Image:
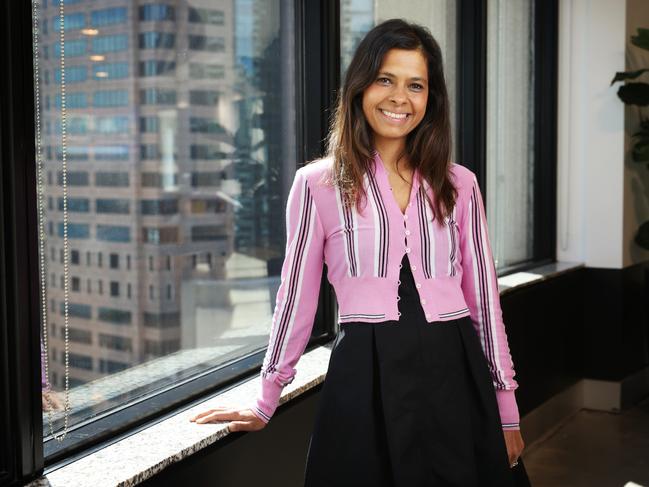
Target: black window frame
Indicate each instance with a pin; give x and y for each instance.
(24, 455)
(317, 44)
(472, 114)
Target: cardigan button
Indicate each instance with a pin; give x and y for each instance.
(423, 301)
(414, 268)
(407, 232)
(418, 285)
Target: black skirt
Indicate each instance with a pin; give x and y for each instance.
(408, 403)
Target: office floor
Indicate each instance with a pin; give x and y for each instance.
(594, 449)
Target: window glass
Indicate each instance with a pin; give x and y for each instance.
(180, 130)
(510, 129)
(357, 17)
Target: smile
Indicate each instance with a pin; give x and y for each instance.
(394, 117)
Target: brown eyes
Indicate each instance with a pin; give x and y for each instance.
(415, 86)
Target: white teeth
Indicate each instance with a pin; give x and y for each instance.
(397, 116)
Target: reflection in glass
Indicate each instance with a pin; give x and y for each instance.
(510, 130)
(181, 149)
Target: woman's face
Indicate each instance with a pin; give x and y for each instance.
(395, 102)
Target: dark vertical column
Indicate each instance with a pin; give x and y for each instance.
(21, 439)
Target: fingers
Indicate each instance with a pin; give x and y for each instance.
(219, 413)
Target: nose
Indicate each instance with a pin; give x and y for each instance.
(398, 94)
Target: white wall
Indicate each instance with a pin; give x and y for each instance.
(590, 191)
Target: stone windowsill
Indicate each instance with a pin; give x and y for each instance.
(150, 450)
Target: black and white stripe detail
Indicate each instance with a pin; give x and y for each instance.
(362, 315)
(483, 288)
(382, 241)
(426, 234)
(453, 313)
(349, 222)
(451, 229)
(262, 414)
(298, 251)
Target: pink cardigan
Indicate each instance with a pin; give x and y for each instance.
(452, 264)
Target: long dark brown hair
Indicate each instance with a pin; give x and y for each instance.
(351, 139)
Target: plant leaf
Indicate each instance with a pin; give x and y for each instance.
(642, 39)
(634, 94)
(642, 237)
(624, 75)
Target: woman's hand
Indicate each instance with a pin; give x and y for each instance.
(240, 419)
(515, 445)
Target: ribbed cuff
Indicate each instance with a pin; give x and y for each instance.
(509, 416)
(267, 399)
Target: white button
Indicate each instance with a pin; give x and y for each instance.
(418, 285)
(398, 313)
(407, 232)
(407, 250)
(405, 217)
(398, 298)
(400, 266)
(423, 301)
(414, 268)
(398, 282)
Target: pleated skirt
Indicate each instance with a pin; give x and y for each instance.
(408, 403)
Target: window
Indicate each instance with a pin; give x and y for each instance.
(70, 22)
(73, 74)
(159, 207)
(174, 126)
(510, 160)
(112, 125)
(205, 125)
(109, 16)
(77, 310)
(80, 336)
(112, 179)
(156, 68)
(73, 48)
(206, 43)
(113, 342)
(116, 206)
(163, 235)
(78, 205)
(114, 289)
(203, 97)
(110, 98)
(206, 151)
(110, 43)
(79, 361)
(149, 125)
(157, 40)
(113, 233)
(110, 71)
(74, 257)
(157, 96)
(72, 100)
(206, 71)
(209, 233)
(75, 230)
(206, 16)
(201, 179)
(156, 12)
(115, 316)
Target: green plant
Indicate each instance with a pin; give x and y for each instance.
(637, 93)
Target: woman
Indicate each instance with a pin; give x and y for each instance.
(420, 385)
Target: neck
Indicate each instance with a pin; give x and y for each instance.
(389, 150)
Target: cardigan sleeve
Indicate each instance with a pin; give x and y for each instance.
(480, 288)
(297, 296)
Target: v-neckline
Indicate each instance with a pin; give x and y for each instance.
(414, 187)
